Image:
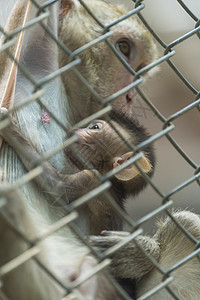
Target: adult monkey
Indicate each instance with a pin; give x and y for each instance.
(40, 64)
(103, 70)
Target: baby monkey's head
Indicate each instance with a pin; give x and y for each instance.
(110, 144)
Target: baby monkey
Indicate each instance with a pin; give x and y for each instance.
(102, 147)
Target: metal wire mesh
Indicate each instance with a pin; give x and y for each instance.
(37, 90)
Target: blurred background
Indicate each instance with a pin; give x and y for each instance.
(169, 94)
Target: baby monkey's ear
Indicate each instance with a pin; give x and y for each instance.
(131, 171)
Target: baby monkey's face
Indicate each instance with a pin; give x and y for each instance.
(103, 145)
(98, 144)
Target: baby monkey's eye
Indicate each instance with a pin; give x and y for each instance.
(124, 47)
(95, 126)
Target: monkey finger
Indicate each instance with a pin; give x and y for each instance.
(115, 233)
(102, 243)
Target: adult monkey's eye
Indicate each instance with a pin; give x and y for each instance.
(95, 126)
(124, 47)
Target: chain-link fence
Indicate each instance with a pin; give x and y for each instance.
(43, 119)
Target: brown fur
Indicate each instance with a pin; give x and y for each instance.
(99, 66)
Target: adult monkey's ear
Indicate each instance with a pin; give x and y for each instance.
(131, 171)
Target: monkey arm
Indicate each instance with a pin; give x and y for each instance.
(69, 187)
(130, 262)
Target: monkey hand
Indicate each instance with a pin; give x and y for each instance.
(93, 178)
(130, 261)
(80, 183)
(108, 239)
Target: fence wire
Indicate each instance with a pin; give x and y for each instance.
(37, 89)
